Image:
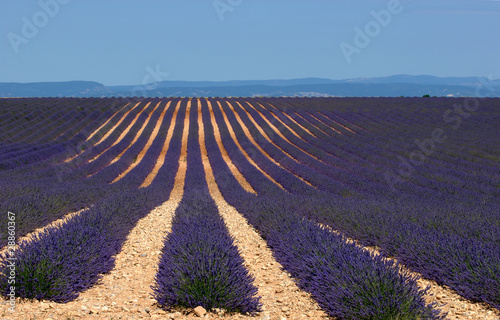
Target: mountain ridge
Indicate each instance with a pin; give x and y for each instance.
(390, 86)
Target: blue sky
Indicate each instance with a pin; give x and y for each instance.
(116, 42)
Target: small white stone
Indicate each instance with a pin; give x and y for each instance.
(266, 316)
(200, 311)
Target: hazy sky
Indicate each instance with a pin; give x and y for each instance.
(131, 42)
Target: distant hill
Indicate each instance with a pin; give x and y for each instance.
(54, 89)
(392, 86)
(318, 90)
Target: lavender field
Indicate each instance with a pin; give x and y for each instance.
(323, 181)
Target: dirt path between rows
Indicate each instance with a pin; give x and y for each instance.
(107, 134)
(258, 147)
(110, 118)
(124, 132)
(281, 122)
(97, 130)
(139, 133)
(236, 173)
(235, 139)
(125, 292)
(274, 128)
(347, 122)
(163, 153)
(322, 122)
(143, 152)
(280, 296)
(293, 120)
(336, 122)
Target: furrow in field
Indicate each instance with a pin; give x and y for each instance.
(343, 146)
(337, 123)
(313, 120)
(124, 133)
(315, 126)
(68, 131)
(346, 149)
(329, 126)
(374, 125)
(71, 158)
(94, 132)
(111, 131)
(300, 147)
(325, 166)
(315, 141)
(153, 136)
(110, 118)
(235, 139)
(249, 135)
(252, 140)
(279, 294)
(236, 173)
(292, 115)
(161, 158)
(139, 133)
(304, 108)
(313, 170)
(284, 124)
(293, 120)
(185, 134)
(104, 137)
(349, 122)
(274, 128)
(40, 128)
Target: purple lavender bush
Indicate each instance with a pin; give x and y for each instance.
(200, 265)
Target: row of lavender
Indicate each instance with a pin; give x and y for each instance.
(396, 130)
(63, 125)
(200, 265)
(347, 281)
(482, 191)
(449, 235)
(63, 260)
(414, 193)
(67, 259)
(40, 196)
